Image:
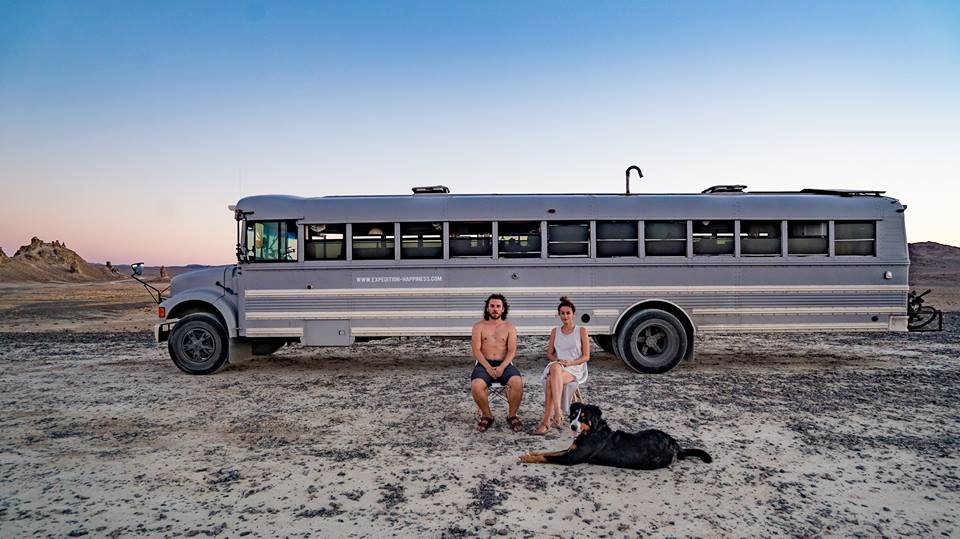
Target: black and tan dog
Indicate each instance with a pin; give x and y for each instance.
(597, 444)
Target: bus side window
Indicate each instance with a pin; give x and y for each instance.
(759, 238)
(616, 238)
(519, 239)
(855, 238)
(421, 240)
(373, 241)
(325, 242)
(807, 238)
(713, 238)
(665, 238)
(568, 238)
(471, 240)
(288, 241)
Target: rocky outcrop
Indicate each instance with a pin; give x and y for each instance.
(3, 257)
(932, 262)
(164, 275)
(112, 269)
(42, 261)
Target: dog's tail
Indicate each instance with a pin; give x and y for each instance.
(699, 453)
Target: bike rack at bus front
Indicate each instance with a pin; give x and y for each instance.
(921, 317)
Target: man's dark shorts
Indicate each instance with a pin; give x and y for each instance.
(481, 373)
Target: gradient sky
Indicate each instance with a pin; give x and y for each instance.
(126, 128)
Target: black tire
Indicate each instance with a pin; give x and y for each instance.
(199, 344)
(924, 315)
(605, 342)
(265, 347)
(651, 341)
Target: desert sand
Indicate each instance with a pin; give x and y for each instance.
(818, 434)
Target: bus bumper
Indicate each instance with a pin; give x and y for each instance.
(161, 332)
(898, 323)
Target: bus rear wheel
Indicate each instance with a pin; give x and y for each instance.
(651, 341)
(605, 342)
(198, 344)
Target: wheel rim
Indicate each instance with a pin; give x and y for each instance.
(654, 343)
(199, 346)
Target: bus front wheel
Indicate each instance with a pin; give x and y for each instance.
(651, 341)
(198, 344)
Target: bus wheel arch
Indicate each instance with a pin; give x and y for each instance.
(182, 310)
(670, 320)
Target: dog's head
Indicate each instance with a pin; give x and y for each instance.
(585, 418)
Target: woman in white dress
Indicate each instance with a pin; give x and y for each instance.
(568, 352)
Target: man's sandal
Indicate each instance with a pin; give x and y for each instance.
(484, 423)
(541, 429)
(515, 423)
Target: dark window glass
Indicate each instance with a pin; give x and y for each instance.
(421, 240)
(519, 239)
(713, 238)
(568, 239)
(616, 238)
(373, 241)
(471, 239)
(855, 238)
(325, 242)
(759, 238)
(271, 241)
(665, 238)
(807, 238)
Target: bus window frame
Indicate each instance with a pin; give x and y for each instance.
(298, 248)
(592, 243)
(837, 240)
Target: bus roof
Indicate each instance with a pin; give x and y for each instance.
(807, 204)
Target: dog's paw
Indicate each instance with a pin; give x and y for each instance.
(527, 458)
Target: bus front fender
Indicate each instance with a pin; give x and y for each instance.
(198, 301)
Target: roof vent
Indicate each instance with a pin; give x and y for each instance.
(723, 189)
(844, 192)
(431, 190)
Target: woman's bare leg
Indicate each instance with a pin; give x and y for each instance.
(548, 405)
(558, 378)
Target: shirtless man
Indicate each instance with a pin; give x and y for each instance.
(494, 343)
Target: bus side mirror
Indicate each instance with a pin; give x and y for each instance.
(137, 268)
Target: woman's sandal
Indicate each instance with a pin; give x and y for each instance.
(558, 421)
(541, 429)
(484, 423)
(515, 423)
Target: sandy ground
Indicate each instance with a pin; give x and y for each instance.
(836, 435)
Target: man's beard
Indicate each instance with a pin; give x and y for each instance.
(493, 316)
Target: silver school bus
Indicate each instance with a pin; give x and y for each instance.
(647, 272)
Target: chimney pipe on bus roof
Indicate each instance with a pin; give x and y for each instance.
(627, 174)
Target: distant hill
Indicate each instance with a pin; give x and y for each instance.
(153, 273)
(51, 262)
(934, 263)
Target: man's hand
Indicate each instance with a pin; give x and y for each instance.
(492, 372)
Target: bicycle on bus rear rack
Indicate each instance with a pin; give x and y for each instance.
(922, 317)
